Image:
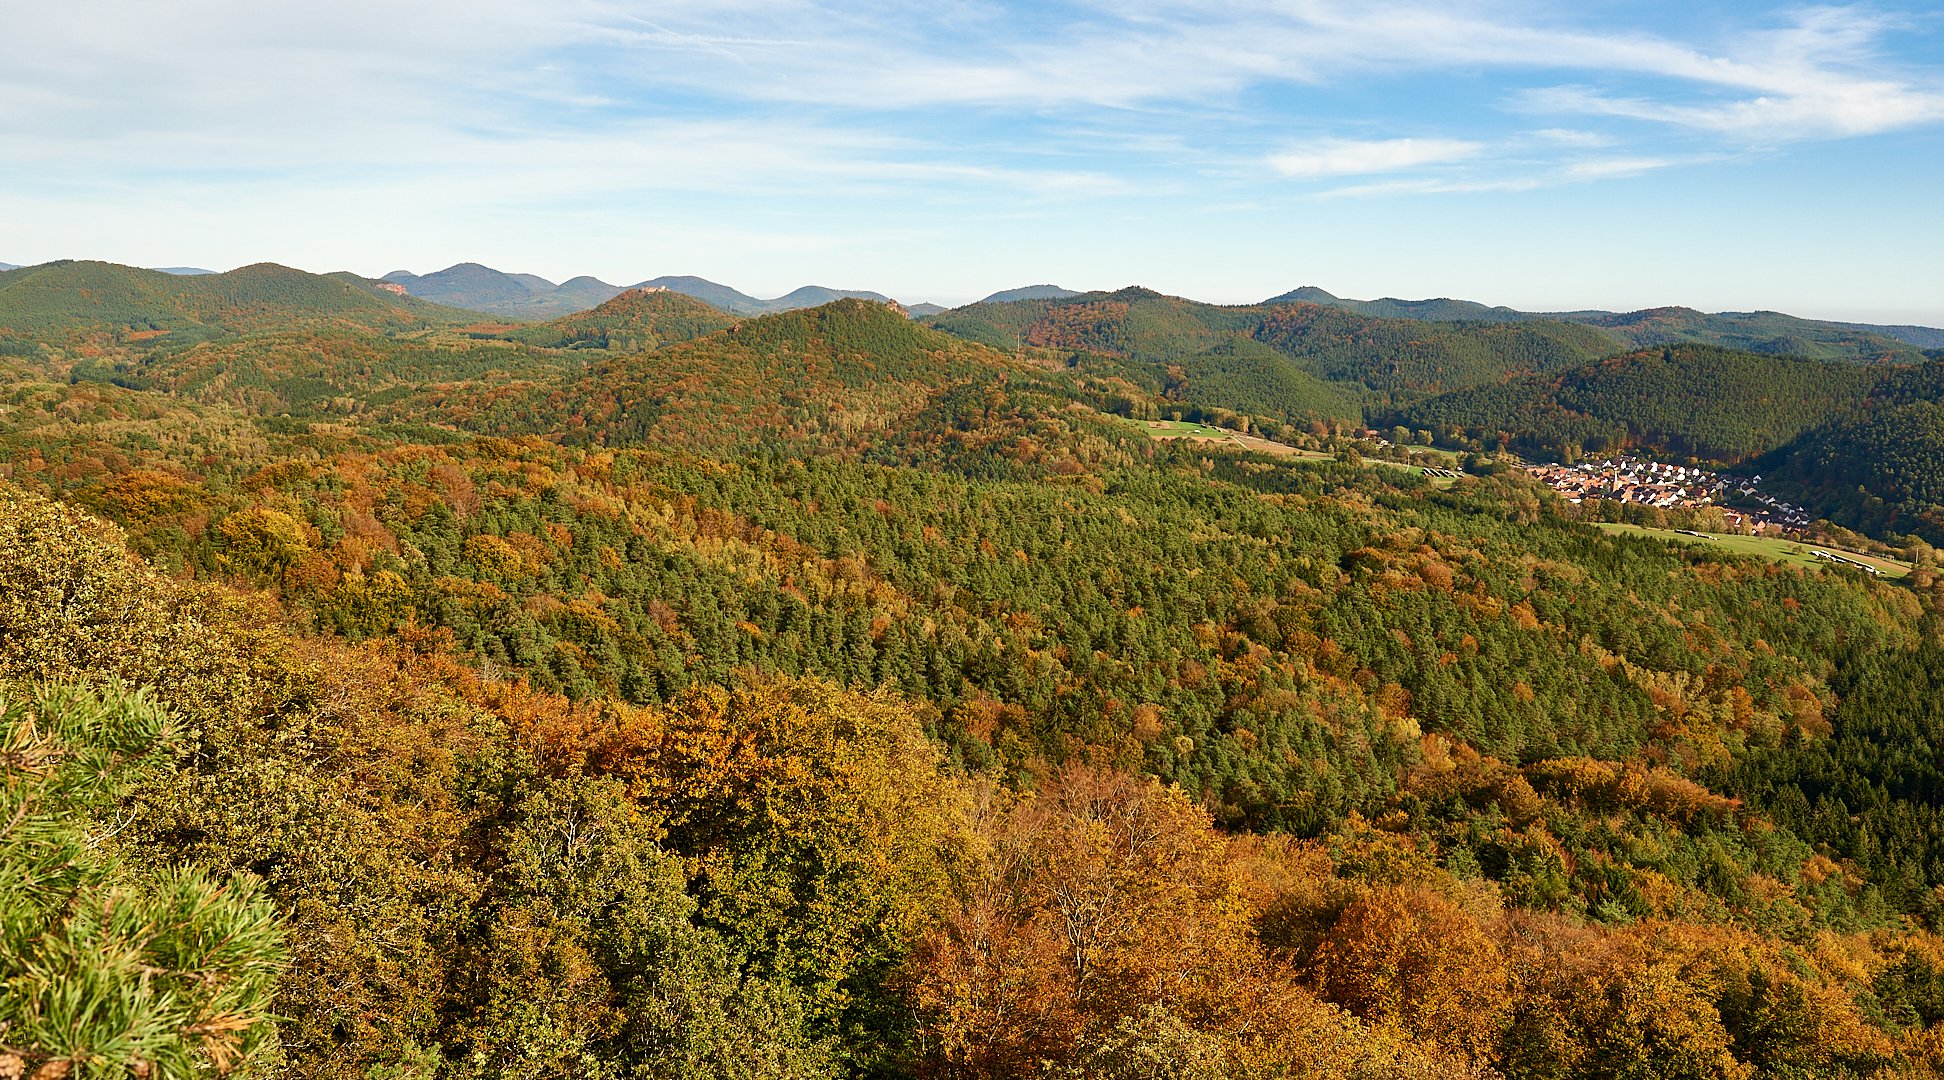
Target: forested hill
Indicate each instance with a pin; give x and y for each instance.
(105, 304)
(830, 377)
(1442, 309)
(1363, 353)
(1709, 403)
(1862, 445)
(637, 320)
(1759, 331)
(1878, 469)
(825, 696)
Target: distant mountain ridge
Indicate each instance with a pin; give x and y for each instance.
(1029, 292)
(1755, 331)
(529, 296)
(637, 320)
(737, 302)
(1924, 337)
(521, 296)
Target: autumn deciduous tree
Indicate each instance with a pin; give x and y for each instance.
(820, 831)
(1100, 893)
(1411, 956)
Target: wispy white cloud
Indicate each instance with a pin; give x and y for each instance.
(1430, 186)
(1530, 177)
(1572, 137)
(1617, 168)
(1837, 110)
(1817, 75)
(363, 82)
(1345, 157)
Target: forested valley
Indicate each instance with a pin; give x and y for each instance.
(388, 691)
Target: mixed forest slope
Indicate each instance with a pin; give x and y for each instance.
(1858, 444)
(637, 320)
(1757, 331)
(1369, 358)
(103, 304)
(1879, 469)
(829, 377)
(829, 696)
(1696, 401)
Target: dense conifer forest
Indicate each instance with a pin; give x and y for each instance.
(655, 692)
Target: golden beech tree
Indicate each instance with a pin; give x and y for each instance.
(1111, 931)
(1411, 956)
(1097, 894)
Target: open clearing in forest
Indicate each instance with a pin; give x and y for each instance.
(1208, 433)
(1775, 548)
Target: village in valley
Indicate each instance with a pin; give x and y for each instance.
(1743, 505)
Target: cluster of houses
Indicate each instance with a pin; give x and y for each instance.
(1659, 484)
(1786, 515)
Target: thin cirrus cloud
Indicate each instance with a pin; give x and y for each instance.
(1813, 74)
(1804, 74)
(363, 82)
(1342, 157)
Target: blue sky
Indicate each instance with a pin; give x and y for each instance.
(1540, 154)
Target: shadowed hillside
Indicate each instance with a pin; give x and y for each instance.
(1691, 400)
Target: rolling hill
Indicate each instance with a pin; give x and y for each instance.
(527, 296)
(520, 296)
(1758, 331)
(1248, 377)
(1895, 453)
(1878, 468)
(740, 303)
(1704, 401)
(1363, 353)
(718, 296)
(1924, 337)
(1439, 310)
(638, 320)
(1029, 292)
(829, 376)
(108, 304)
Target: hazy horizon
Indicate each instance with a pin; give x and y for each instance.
(1890, 318)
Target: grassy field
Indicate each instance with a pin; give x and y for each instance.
(1182, 429)
(1791, 552)
(1451, 457)
(1178, 429)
